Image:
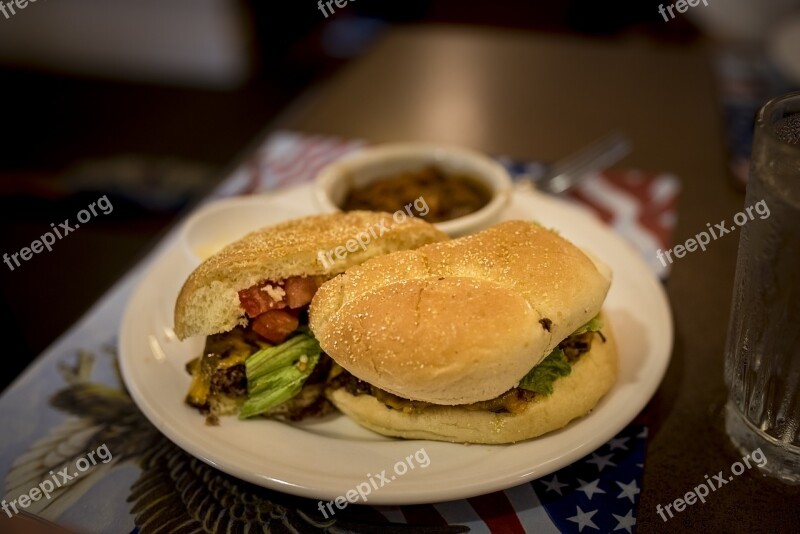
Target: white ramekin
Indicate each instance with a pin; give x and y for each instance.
(221, 222)
(334, 181)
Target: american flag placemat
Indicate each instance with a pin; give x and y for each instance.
(71, 400)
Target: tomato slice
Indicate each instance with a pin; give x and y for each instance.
(300, 290)
(275, 325)
(256, 301)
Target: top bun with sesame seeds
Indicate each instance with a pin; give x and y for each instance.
(461, 321)
(209, 303)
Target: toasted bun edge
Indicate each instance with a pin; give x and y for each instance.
(575, 395)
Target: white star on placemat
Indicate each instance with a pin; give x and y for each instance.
(628, 490)
(601, 461)
(618, 443)
(626, 521)
(554, 485)
(583, 519)
(590, 488)
(600, 491)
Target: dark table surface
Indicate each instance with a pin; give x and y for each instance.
(540, 98)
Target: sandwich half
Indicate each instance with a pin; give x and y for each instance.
(251, 301)
(495, 337)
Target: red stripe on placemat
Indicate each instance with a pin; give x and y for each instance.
(653, 221)
(634, 182)
(253, 174)
(423, 514)
(651, 213)
(301, 147)
(299, 170)
(318, 164)
(604, 214)
(308, 161)
(497, 512)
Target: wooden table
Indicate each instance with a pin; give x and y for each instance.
(541, 97)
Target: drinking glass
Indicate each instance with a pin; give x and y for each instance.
(762, 358)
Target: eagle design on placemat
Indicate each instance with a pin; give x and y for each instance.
(175, 492)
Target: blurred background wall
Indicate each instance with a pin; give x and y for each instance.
(193, 43)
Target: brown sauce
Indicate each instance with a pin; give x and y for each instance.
(448, 196)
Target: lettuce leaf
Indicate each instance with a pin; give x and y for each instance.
(595, 325)
(276, 374)
(540, 379)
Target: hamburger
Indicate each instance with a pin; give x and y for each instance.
(491, 338)
(251, 302)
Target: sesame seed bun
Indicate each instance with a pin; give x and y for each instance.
(573, 396)
(460, 321)
(208, 302)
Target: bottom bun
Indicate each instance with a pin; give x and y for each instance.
(573, 396)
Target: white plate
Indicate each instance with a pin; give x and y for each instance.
(324, 459)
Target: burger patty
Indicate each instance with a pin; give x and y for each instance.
(231, 382)
(220, 371)
(512, 401)
(218, 384)
(575, 346)
(276, 310)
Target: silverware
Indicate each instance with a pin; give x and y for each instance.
(570, 171)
